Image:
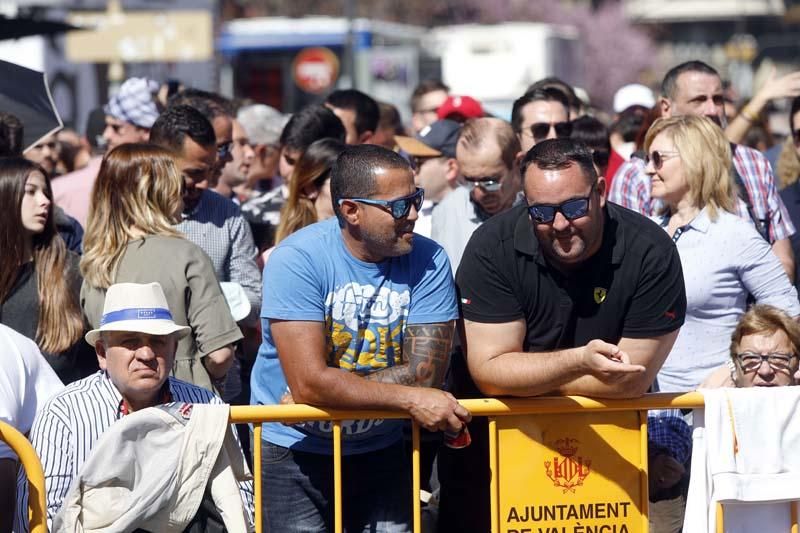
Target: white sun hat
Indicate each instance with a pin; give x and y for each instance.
(136, 307)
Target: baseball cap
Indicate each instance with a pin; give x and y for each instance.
(434, 140)
(633, 94)
(465, 106)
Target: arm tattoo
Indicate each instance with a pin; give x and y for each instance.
(426, 355)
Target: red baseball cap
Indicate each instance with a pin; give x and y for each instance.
(465, 106)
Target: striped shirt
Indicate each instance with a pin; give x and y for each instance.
(217, 226)
(70, 423)
(631, 188)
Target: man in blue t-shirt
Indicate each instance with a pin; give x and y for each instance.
(358, 313)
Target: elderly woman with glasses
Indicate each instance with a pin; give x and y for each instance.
(725, 260)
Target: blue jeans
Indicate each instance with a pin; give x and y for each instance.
(297, 491)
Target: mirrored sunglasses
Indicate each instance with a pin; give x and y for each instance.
(571, 209)
(399, 207)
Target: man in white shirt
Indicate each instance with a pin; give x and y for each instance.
(26, 382)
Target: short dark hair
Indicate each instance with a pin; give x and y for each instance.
(670, 81)
(425, 87)
(594, 134)
(536, 95)
(353, 173)
(11, 135)
(558, 154)
(178, 122)
(363, 105)
(390, 118)
(211, 105)
(630, 122)
(311, 124)
(552, 82)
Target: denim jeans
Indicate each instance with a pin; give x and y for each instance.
(297, 491)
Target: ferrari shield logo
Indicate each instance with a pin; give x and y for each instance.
(600, 294)
(567, 470)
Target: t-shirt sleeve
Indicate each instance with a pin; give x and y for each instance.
(292, 286)
(433, 297)
(659, 303)
(485, 292)
(24, 386)
(207, 311)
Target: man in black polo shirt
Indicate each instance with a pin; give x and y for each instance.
(567, 295)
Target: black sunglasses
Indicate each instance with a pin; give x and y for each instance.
(571, 209)
(399, 207)
(540, 130)
(658, 158)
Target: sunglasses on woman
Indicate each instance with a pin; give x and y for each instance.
(658, 158)
(779, 362)
(541, 130)
(571, 209)
(399, 207)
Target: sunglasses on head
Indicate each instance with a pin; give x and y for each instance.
(571, 209)
(658, 158)
(223, 150)
(540, 130)
(399, 207)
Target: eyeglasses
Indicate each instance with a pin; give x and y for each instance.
(658, 158)
(571, 209)
(488, 184)
(540, 130)
(780, 362)
(399, 207)
(224, 150)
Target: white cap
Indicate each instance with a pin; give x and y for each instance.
(633, 94)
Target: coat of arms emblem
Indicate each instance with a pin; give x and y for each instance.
(569, 469)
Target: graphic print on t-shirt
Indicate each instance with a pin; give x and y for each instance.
(365, 326)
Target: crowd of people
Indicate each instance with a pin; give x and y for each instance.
(192, 249)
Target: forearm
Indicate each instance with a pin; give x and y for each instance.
(427, 348)
(527, 374)
(743, 121)
(335, 389)
(783, 250)
(219, 361)
(633, 386)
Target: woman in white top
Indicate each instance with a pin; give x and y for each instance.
(724, 258)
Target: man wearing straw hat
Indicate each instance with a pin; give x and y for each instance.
(135, 347)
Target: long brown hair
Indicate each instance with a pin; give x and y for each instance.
(60, 322)
(311, 170)
(138, 190)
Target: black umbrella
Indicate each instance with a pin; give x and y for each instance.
(24, 26)
(24, 93)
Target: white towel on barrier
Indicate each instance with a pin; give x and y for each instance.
(745, 444)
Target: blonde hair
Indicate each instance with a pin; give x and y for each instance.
(138, 190)
(705, 158)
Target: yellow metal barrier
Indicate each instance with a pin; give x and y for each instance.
(489, 407)
(33, 470)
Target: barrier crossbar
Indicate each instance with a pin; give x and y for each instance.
(489, 407)
(33, 470)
